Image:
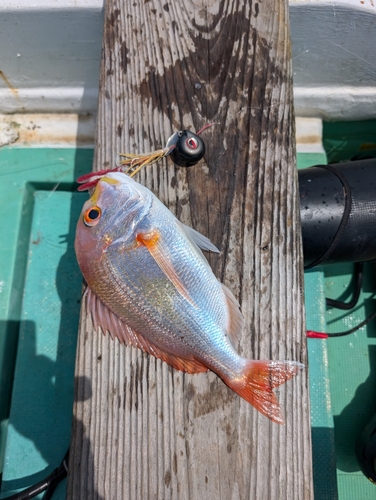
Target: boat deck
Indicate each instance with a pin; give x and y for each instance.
(342, 371)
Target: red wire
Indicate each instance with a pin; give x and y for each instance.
(311, 334)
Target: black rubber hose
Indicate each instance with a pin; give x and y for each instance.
(48, 484)
(357, 327)
(346, 306)
(338, 212)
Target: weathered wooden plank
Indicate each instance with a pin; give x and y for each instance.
(141, 429)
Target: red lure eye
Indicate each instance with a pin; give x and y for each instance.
(92, 216)
(192, 143)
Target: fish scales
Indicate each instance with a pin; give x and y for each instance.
(160, 311)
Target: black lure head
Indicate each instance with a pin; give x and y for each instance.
(189, 149)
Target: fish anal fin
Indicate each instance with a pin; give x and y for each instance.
(160, 253)
(235, 323)
(108, 321)
(258, 381)
(184, 365)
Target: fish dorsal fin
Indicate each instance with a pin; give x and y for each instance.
(197, 242)
(199, 239)
(108, 321)
(235, 323)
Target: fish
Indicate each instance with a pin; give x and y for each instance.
(151, 287)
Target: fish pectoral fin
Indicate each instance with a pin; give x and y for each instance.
(160, 253)
(108, 321)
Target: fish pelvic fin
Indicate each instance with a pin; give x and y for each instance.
(109, 322)
(258, 381)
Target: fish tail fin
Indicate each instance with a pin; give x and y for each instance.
(258, 381)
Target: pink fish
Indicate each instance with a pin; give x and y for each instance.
(150, 286)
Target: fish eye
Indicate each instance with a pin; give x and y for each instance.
(92, 216)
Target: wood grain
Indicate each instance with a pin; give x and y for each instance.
(141, 429)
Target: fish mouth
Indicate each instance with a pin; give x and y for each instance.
(90, 181)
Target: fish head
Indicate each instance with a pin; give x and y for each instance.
(111, 214)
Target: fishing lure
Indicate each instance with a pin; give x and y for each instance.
(185, 148)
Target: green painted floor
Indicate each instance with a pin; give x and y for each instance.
(40, 291)
(352, 374)
(351, 359)
(342, 370)
(39, 308)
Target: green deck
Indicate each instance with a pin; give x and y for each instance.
(40, 287)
